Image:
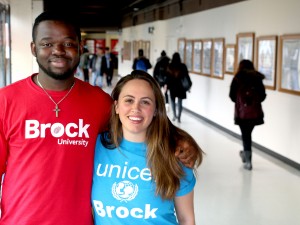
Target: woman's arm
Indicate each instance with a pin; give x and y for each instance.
(184, 207)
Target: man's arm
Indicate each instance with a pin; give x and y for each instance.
(187, 150)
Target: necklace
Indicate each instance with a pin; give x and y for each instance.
(56, 110)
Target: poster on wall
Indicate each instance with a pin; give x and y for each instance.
(92, 44)
(114, 46)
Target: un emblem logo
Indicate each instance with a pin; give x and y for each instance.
(124, 191)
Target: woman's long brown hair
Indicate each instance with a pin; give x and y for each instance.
(161, 139)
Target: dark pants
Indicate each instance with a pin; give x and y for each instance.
(179, 103)
(246, 130)
(166, 97)
(86, 75)
(109, 77)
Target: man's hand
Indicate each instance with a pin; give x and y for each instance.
(186, 153)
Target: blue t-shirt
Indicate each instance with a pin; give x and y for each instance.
(123, 192)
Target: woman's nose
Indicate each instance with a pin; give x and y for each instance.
(135, 107)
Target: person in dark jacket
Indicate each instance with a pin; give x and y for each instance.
(141, 62)
(160, 73)
(247, 91)
(175, 72)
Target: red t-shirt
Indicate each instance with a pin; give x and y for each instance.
(48, 160)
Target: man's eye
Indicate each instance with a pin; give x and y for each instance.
(46, 44)
(68, 44)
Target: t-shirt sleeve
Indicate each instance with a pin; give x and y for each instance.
(187, 183)
(3, 146)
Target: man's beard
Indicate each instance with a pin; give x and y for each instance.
(58, 76)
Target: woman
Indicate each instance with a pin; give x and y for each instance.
(247, 91)
(144, 180)
(176, 71)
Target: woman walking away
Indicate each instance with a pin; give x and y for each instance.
(177, 71)
(247, 91)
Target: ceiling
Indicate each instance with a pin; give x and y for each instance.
(101, 16)
(98, 16)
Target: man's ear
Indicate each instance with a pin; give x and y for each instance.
(33, 48)
(81, 48)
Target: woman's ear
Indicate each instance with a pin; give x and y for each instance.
(116, 106)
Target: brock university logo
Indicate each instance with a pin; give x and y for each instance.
(124, 191)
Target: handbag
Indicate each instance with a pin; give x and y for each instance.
(186, 82)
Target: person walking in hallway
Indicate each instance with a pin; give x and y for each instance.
(160, 74)
(108, 65)
(98, 63)
(141, 62)
(84, 64)
(176, 72)
(248, 92)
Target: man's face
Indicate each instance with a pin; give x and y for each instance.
(57, 49)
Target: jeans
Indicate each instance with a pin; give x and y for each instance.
(179, 104)
(96, 76)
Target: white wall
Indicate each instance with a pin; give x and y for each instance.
(23, 13)
(209, 96)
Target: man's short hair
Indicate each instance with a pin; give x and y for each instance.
(56, 16)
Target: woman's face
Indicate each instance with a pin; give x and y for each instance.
(136, 108)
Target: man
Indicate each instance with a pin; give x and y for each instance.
(84, 64)
(108, 65)
(141, 62)
(49, 123)
(97, 66)
(160, 74)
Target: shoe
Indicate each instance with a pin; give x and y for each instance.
(242, 155)
(179, 120)
(248, 158)
(248, 166)
(174, 118)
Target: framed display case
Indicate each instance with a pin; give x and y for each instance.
(289, 64)
(266, 56)
(245, 47)
(189, 54)
(197, 56)
(229, 59)
(135, 48)
(218, 58)
(127, 50)
(147, 49)
(181, 49)
(207, 57)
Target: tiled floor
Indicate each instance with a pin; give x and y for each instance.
(226, 194)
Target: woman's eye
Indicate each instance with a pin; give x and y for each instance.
(128, 100)
(145, 102)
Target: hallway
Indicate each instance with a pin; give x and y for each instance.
(226, 194)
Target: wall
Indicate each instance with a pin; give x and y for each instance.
(23, 13)
(209, 97)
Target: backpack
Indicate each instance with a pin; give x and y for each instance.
(248, 103)
(141, 65)
(161, 76)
